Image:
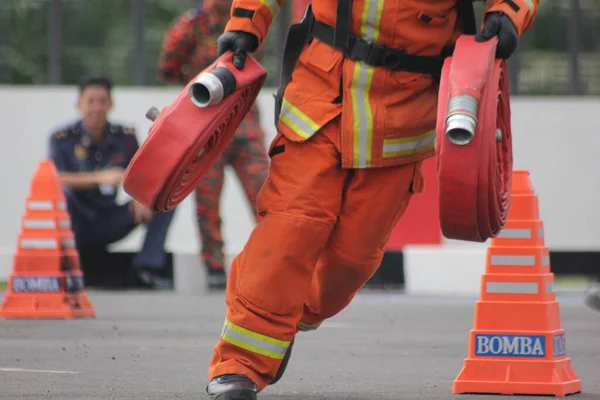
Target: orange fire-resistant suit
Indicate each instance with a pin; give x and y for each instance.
(344, 165)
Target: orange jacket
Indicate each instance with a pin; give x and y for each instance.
(388, 117)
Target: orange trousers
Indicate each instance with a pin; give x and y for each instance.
(321, 239)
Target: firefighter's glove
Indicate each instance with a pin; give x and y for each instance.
(240, 43)
(500, 24)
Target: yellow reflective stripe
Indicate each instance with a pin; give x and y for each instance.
(361, 85)
(307, 327)
(409, 145)
(272, 6)
(297, 121)
(254, 342)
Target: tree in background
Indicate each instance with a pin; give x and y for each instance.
(98, 38)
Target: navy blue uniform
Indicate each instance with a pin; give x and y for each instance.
(96, 218)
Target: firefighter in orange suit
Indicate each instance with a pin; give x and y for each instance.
(355, 122)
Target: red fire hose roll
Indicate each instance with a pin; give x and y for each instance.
(188, 135)
(474, 142)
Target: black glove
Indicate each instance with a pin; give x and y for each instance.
(240, 43)
(500, 24)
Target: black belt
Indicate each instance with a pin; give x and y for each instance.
(377, 55)
(359, 49)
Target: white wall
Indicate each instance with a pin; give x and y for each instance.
(556, 139)
(30, 113)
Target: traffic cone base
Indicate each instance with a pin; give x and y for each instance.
(550, 378)
(59, 297)
(46, 281)
(517, 345)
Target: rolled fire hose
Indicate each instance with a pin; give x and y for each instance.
(474, 142)
(187, 136)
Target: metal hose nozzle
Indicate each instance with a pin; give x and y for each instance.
(152, 114)
(461, 119)
(212, 87)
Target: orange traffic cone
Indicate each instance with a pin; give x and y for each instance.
(517, 345)
(46, 281)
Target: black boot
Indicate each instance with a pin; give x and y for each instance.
(283, 365)
(592, 300)
(231, 387)
(216, 279)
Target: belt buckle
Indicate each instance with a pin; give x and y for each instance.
(359, 49)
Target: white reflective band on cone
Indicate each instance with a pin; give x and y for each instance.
(39, 224)
(65, 224)
(515, 234)
(39, 243)
(39, 205)
(45, 205)
(520, 233)
(549, 287)
(545, 261)
(523, 261)
(512, 287)
(68, 243)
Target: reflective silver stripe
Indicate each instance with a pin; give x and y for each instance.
(61, 205)
(361, 86)
(512, 287)
(545, 261)
(65, 224)
(515, 234)
(39, 243)
(68, 243)
(39, 224)
(272, 6)
(307, 327)
(39, 205)
(541, 233)
(530, 5)
(399, 147)
(297, 121)
(253, 341)
(549, 287)
(522, 261)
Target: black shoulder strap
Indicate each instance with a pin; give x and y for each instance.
(298, 35)
(466, 15)
(343, 21)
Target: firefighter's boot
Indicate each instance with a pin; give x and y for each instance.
(231, 387)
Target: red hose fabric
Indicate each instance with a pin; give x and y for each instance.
(185, 140)
(475, 178)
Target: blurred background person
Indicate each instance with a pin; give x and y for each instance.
(190, 46)
(91, 155)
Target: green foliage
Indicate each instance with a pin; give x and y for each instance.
(98, 38)
(24, 45)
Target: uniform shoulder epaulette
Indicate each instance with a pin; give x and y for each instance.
(119, 129)
(61, 134)
(66, 130)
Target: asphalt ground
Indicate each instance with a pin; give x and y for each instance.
(148, 345)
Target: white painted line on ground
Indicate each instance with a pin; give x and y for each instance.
(41, 371)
